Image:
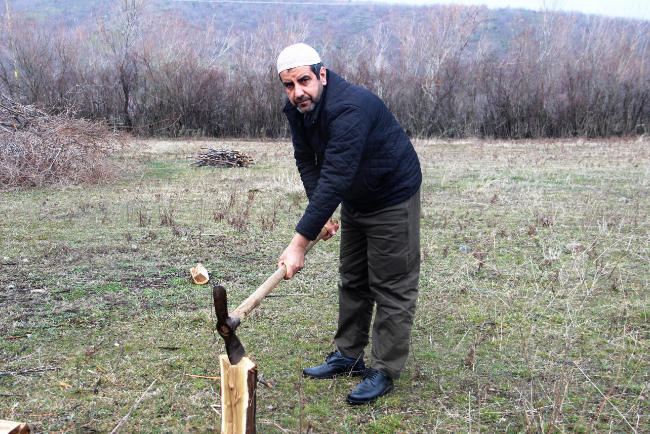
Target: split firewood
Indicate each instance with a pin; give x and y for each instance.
(222, 158)
(199, 274)
(8, 427)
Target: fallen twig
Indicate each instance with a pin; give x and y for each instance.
(96, 385)
(270, 422)
(6, 359)
(294, 295)
(64, 431)
(119, 356)
(606, 399)
(266, 383)
(28, 371)
(203, 376)
(94, 348)
(620, 362)
(119, 426)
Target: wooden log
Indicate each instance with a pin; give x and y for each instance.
(199, 274)
(238, 396)
(8, 427)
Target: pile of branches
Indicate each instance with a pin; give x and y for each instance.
(222, 158)
(38, 148)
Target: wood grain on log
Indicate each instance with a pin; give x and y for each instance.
(238, 396)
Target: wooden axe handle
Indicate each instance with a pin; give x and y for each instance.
(260, 293)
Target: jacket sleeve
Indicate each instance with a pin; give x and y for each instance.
(305, 161)
(348, 130)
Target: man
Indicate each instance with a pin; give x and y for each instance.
(350, 150)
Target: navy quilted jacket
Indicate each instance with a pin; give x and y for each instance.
(354, 152)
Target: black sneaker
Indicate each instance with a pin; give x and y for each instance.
(374, 385)
(335, 365)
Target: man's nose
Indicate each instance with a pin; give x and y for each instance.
(298, 91)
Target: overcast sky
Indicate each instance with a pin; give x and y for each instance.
(613, 8)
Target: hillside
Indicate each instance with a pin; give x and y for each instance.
(183, 68)
(340, 21)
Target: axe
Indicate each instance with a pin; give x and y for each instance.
(227, 324)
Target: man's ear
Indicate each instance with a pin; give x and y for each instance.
(323, 75)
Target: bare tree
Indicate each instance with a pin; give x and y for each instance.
(123, 33)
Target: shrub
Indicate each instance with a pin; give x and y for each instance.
(38, 148)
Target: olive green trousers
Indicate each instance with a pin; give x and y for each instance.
(379, 264)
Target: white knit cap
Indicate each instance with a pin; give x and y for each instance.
(297, 55)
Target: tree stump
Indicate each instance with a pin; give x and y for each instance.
(238, 396)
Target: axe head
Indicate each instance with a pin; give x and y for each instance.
(226, 326)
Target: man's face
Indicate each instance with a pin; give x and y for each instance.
(303, 88)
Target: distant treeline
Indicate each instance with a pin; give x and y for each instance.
(557, 75)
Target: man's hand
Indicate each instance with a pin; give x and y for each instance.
(332, 227)
(293, 256)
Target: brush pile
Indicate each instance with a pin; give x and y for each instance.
(38, 148)
(222, 158)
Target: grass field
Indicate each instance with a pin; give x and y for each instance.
(533, 315)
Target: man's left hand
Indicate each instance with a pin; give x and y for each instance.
(332, 227)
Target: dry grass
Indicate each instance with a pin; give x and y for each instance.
(532, 316)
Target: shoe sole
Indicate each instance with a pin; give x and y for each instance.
(369, 401)
(331, 377)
